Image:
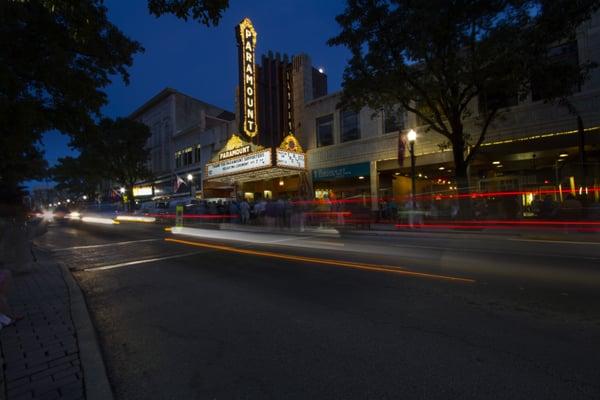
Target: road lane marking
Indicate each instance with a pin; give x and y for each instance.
(144, 261)
(553, 241)
(93, 246)
(348, 264)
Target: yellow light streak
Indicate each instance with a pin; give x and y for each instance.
(135, 218)
(96, 220)
(313, 260)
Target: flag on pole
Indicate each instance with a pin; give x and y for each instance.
(178, 183)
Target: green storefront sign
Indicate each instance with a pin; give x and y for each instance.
(343, 171)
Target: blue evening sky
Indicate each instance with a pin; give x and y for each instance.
(202, 62)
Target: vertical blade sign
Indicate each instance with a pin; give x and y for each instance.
(289, 101)
(246, 36)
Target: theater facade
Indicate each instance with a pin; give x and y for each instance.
(260, 163)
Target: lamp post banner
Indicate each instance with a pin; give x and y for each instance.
(401, 148)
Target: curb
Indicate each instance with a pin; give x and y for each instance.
(97, 386)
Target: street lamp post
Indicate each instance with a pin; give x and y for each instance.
(190, 178)
(412, 136)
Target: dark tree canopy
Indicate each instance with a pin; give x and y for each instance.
(113, 151)
(79, 176)
(436, 57)
(121, 144)
(207, 12)
(55, 59)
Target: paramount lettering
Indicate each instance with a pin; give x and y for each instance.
(247, 44)
(234, 152)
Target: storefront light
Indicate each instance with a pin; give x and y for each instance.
(495, 162)
(281, 182)
(442, 168)
(361, 177)
(562, 155)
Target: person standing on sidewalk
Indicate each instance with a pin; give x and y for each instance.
(7, 317)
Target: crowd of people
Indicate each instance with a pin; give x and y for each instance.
(287, 213)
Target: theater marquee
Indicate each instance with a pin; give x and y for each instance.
(246, 36)
(250, 162)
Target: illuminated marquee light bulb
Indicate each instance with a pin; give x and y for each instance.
(246, 36)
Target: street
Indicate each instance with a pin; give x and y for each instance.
(223, 315)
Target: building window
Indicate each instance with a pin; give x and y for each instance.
(178, 159)
(187, 156)
(393, 119)
(325, 130)
(197, 154)
(350, 125)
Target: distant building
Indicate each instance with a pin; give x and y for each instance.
(184, 134)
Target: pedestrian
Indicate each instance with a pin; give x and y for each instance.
(244, 211)
(280, 207)
(7, 317)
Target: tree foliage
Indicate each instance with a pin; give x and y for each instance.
(78, 176)
(207, 12)
(55, 59)
(436, 58)
(114, 151)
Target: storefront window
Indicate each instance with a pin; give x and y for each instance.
(325, 130)
(350, 126)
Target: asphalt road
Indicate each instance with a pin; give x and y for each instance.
(263, 316)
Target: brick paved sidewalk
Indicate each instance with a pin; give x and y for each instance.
(41, 358)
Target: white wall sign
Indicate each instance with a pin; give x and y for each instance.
(256, 160)
(290, 159)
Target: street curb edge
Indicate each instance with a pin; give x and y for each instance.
(97, 386)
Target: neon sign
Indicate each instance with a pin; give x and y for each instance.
(246, 36)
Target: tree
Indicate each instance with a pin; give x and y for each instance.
(436, 58)
(121, 144)
(206, 12)
(113, 151)
(55, 59)
(79, 176)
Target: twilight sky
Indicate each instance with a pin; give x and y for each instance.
(202, 62)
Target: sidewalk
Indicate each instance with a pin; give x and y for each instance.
(378, 229)
(44, 355)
